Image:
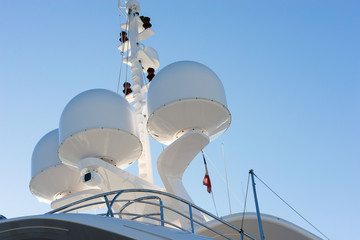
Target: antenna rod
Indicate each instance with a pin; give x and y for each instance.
(251, 172)
(226, 177)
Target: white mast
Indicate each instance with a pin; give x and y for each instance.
(139, 89)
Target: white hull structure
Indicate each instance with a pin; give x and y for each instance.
(85, 226)
(81, 165)
(274, 227)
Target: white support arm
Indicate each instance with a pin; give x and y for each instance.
(174, 160)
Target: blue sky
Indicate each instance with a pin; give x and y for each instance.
(291, 72)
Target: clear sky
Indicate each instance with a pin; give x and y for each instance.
(291, 72)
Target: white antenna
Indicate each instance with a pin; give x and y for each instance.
(226, 177)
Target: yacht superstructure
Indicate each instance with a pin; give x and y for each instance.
(81, 165)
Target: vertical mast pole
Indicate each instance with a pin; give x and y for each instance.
(251, 172)
(139, 93)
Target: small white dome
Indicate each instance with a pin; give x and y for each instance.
(50, 179)
(99, 123)
(45, 153)
(183, 96)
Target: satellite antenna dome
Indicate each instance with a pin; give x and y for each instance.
(186, 96)
(50, 179)
(99, 123)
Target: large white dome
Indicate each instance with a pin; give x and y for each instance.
(99, 123)
(183, 96)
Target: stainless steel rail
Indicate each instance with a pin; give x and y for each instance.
(75, 206)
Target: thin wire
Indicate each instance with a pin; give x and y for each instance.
(291, 207)
(211, 188)
(144, 78)
(145, 81)
(226, 177)
(212, 195)
(127, 53)
(121, 63)
(218, 172)
(247, 190)
(242, 190)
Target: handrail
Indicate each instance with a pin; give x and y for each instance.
(119, 192)
(179, 213)
(136, 200)
(92, 204)
(153, 218)
(141, 201)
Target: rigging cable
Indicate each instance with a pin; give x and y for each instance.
(144, 77)
(212, 195)
(127, 53)
(127, 27)
(242, 190)
(291, 207)
(247, 190)
(143, 73)
(211, 188)
(222, 178)
(226, 176)
(118, 85)
(121, 64)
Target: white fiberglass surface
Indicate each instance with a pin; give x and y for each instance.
(56, 181)
(96, 108)
(208, 116)
(118, 147)
(184, 79)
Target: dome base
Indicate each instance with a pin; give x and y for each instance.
(165, 124)
(49, 183)
(115, 146)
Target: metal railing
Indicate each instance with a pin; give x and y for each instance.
(158, 217)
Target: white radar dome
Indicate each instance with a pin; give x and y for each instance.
(50, 179)
(184, 96)
(99, 123)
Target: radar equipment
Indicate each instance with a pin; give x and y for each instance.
(99, 123)
(181, 108)
(50, 178)
(101, 133)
